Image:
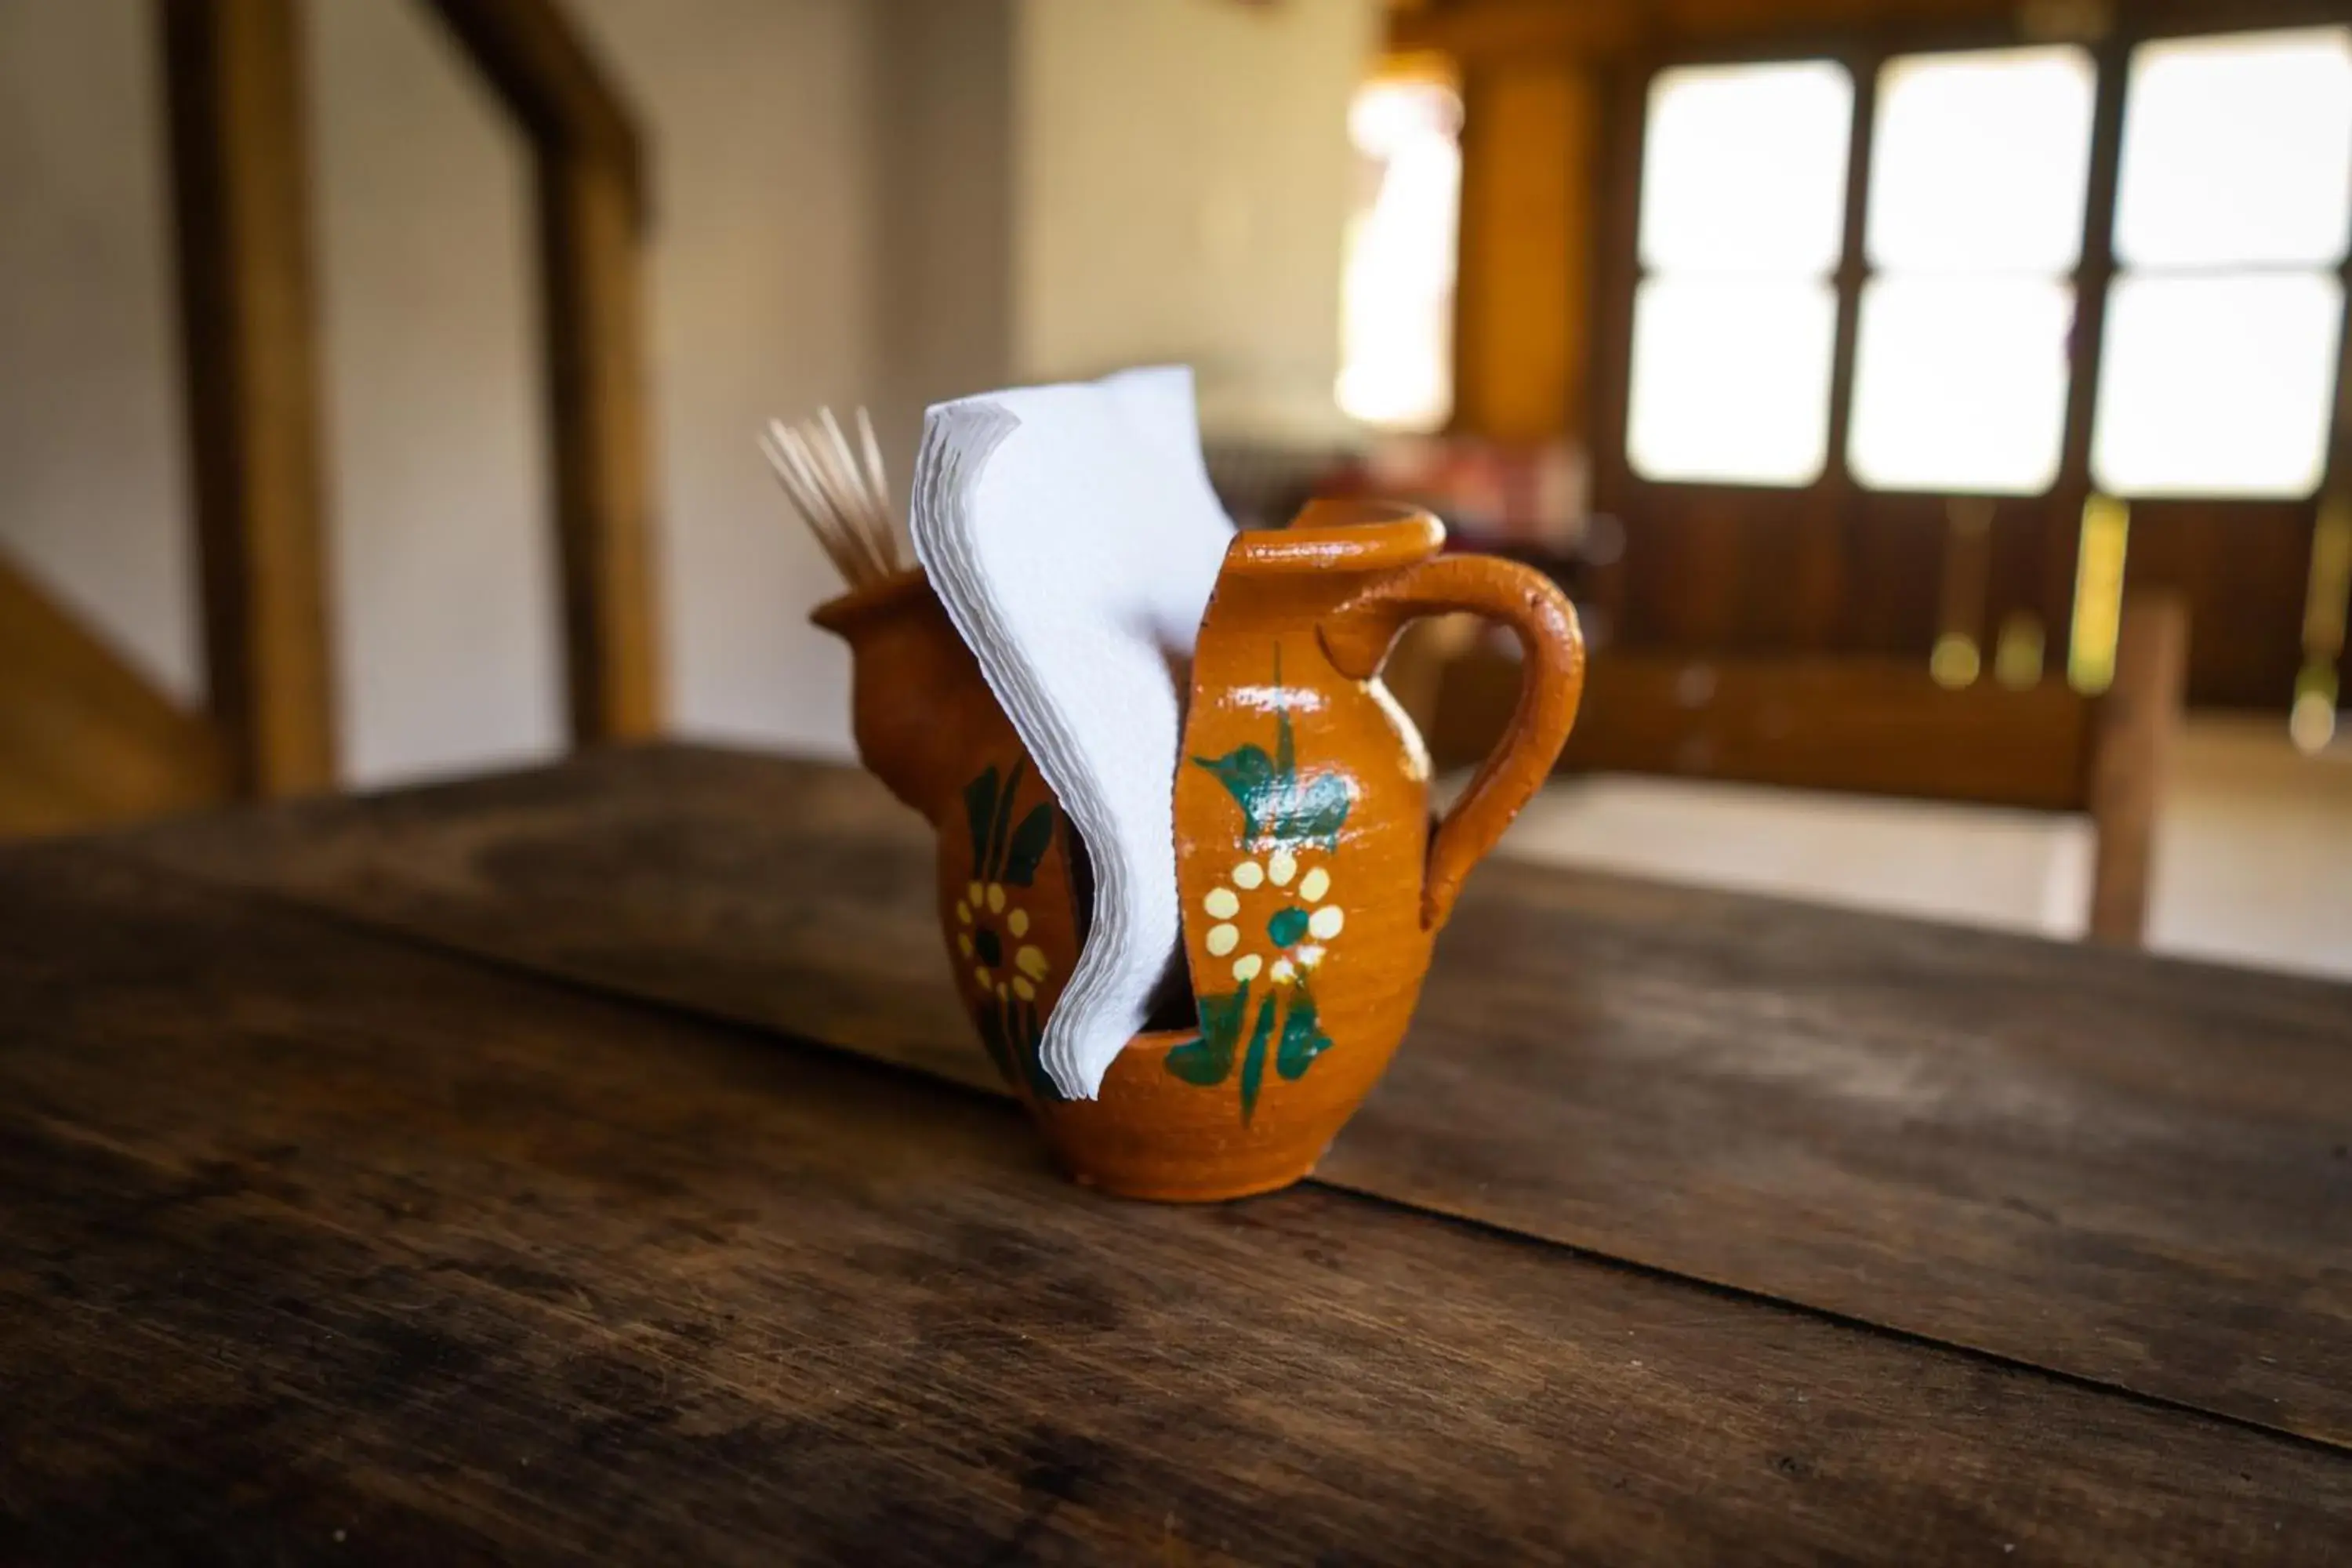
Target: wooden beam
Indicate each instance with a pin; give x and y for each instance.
(534, 60)
(1522, 306)
(85, 741)
(1472, 30)
(1600, 29)
(239, 152)
(592, 209)
(592, 283)
(2135, 723)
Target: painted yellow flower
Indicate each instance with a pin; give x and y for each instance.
(1298, 927)
(979, 914)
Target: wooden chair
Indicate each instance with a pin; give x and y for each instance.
(1868, 726)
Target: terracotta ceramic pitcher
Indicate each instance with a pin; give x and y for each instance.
(1312, 880)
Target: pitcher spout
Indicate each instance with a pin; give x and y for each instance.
(916, 696)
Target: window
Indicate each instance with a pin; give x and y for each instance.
(2232, 210)
(1396, 333)
(2216, 370)
(1974, 227)
(1743, 201)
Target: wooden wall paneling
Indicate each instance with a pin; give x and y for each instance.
(2236, 565)
(239, 160)
(1895, 553)
(592, 207)
(85, 740)
(2013, 586)
(1522, 337)
(1687, 550)
(1846, 724)
(2135, 722)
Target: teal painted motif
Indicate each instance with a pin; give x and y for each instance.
(990, 809)
(991, 924)
(1277, 803)
(1275, 918)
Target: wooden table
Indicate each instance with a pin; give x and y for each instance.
(592, 1162)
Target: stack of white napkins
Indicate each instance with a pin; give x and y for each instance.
(1073, 536)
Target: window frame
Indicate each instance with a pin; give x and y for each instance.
(1863, 55)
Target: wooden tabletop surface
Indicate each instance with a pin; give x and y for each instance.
(593, 1162)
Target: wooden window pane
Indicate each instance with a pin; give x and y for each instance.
(1731, 380)
(1979, 161)
(2237, 149)
(2217, 385)
(1961, 384)
(1744, 169)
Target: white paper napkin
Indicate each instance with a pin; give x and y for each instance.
(1072, 534)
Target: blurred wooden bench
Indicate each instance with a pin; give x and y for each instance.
(1867, 726)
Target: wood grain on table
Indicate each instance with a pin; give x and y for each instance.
(2124, 1170)
(321, 1243)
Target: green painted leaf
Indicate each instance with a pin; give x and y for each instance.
(1254, 1063)
(980, 807)
(1198, 1063)
(1030, 841)
(1248, 776)
(990, 1016)
(1221, 1016)
(1279, 804)
(1208, 1061)
(1003, 815)
(1302, 1040)
(1312, 811)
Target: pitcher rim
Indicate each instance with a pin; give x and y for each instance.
(1341, 536)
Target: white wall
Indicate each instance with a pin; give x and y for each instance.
(444, 600)
(943, 119)
(763, 297)
(92, 472)
(883, 201)
(1183, 190)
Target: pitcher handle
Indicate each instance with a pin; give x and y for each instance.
(1357, 636)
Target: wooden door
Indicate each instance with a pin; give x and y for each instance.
(1835, 564)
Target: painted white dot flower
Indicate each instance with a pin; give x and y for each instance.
(1281, 930)
(978, 916)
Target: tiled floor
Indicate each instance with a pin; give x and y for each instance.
(2253, 852)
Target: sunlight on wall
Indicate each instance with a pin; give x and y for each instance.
(2098, 594)
(1396, 335)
